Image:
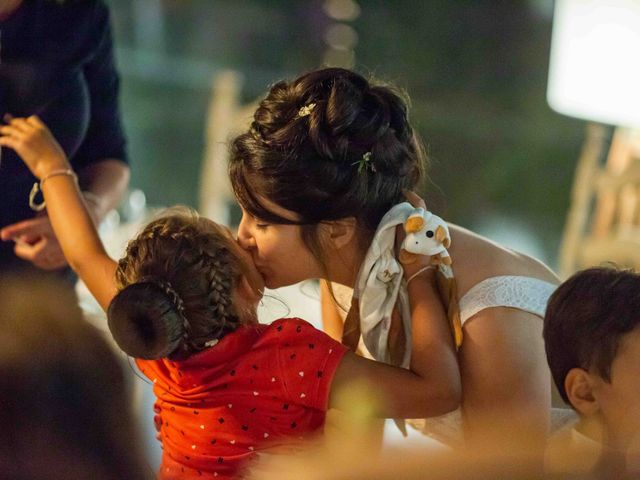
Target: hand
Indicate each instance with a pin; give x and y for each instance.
(414, 199)
(33, 141)
(36, 243)
(417, 202)
(420, 261)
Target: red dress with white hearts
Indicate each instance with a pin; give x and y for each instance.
(261, 388)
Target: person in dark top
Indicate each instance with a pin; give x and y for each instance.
(65, 407)
(56, 61)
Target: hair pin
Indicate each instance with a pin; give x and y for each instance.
(306, 110)
(365, 163)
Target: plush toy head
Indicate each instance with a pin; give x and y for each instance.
(427, 234)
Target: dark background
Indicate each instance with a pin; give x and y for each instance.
(501, 161)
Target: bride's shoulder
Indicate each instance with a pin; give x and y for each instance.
(476, 258)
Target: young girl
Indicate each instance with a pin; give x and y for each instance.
(183, 302)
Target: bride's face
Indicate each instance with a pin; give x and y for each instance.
(278, 251)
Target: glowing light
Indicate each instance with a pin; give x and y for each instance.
(594, 70)
(341, 37)
(344, 10)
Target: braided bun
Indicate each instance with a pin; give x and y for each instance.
(145, 321)
(176, 282)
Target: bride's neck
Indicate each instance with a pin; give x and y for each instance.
(344, 264)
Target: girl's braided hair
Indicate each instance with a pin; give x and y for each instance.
(175, 287)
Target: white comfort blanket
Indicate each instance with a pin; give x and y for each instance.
(378, 286)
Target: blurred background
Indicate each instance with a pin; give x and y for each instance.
(502, 162)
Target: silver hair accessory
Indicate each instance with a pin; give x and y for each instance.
(365, 163)
(306, 110)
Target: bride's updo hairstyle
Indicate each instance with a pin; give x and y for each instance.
(327, 145)
(176, 284)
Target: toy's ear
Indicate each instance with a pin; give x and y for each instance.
(441, 236)
(413, 224)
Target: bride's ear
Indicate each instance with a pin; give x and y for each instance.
(338, 233)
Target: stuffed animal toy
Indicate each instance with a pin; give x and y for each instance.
(427, 234)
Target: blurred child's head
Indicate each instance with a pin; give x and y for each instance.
(592, 340)
(184, 283)
(64, 409)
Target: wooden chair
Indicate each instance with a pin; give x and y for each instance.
(225, 119)
(603, 224)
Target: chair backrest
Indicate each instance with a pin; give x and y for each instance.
(225, 119)
(603, 224)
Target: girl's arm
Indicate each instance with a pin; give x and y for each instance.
(71, 221)
(432, 385)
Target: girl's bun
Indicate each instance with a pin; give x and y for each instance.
(146, 321)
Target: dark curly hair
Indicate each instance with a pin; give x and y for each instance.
(175, 287)
(313, 164)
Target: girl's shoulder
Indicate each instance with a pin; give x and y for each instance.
(291, 332)
(292, 325)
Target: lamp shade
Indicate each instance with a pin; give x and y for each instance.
(594, 70)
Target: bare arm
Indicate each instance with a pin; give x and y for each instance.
(67, 211)
(432, 385)
(102, 183)
(507, 383)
